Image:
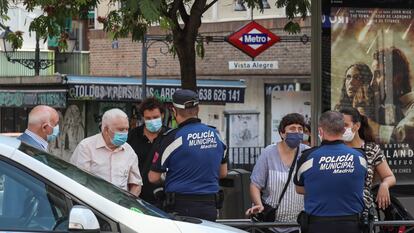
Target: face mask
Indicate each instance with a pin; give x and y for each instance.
(348, 135)
(293, 139)
(54, 134)
(305, 137)
(119, 139)
(153, 125)
(320, 137)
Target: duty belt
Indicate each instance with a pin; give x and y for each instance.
(195, 197)
(344, 218)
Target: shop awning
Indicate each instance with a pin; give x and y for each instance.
(29, 97)
(130, 89)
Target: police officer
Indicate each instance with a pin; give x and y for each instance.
(193, 157)
(331, 177)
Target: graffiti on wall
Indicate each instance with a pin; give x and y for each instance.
(72, 131)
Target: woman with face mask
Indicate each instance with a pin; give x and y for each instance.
(271, 172)
(358, 135)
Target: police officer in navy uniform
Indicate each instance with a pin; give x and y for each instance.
(331, 177)
(193, 158)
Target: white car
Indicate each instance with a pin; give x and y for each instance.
(42, 193)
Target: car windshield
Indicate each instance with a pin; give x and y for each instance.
(94, 183)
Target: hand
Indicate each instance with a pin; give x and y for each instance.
(404, 130)
(383, 196)
(254, 210)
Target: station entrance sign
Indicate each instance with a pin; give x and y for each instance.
(253, 39)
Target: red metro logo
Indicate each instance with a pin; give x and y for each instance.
(253, 39)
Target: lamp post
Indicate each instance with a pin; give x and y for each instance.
(147, 42)
(36, 64)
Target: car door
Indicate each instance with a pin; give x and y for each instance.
(30, 203)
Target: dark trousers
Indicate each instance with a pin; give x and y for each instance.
(334, 227)
(199, 209)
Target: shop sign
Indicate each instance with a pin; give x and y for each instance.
(280, 87)
(253, 39)
(30, 98)
(253, 65)
(101, 92)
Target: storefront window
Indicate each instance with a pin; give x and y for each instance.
(14, 119)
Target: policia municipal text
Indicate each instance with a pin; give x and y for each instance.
(332, 178)
(193, 157)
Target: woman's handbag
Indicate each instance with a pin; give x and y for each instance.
(269, 212)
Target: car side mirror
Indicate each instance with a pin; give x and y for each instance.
(83, 219)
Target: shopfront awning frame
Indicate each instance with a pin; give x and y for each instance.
(105, 88)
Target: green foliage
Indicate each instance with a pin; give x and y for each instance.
(200, 50)
(4, 7)
(15, 38)
(151, 9)
(294, 8)
(53, 19)
(292, 27)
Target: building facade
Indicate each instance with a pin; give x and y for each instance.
(266, 89)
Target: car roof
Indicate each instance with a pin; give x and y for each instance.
(10, 141)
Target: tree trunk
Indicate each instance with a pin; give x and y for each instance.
(185, 47)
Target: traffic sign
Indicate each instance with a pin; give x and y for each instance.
(253, 39)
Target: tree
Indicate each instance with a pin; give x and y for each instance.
(134, 17)
(50, 23)
(181, 17)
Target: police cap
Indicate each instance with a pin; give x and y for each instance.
(185, 98)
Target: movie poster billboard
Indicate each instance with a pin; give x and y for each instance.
(368, 64)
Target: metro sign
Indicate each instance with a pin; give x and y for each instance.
(253, 39)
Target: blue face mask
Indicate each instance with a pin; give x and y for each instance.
(153, 125)
(119, 138)
(293, 139)
(54, 135)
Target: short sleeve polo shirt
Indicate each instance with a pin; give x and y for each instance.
(333, 176)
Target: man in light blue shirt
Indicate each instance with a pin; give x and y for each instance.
(42, 127)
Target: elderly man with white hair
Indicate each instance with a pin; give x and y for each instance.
(42, 127)
(107, 154)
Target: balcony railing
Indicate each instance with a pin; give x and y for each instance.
(15, 69)
(77, 63)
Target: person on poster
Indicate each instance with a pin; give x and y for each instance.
(392, 121)
(356, 88)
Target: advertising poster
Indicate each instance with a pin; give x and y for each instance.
(244, 130)
(368, 64)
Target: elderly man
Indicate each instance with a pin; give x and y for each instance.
(107, 154)
(42, 127)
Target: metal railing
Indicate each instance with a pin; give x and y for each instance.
(15, 69)
(243, 157)
(249, 226)
(77, 63)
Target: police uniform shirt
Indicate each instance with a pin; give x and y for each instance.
(333, 175)
(191, 155)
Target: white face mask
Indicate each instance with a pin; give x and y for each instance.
(320, 136)
(348, 135)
